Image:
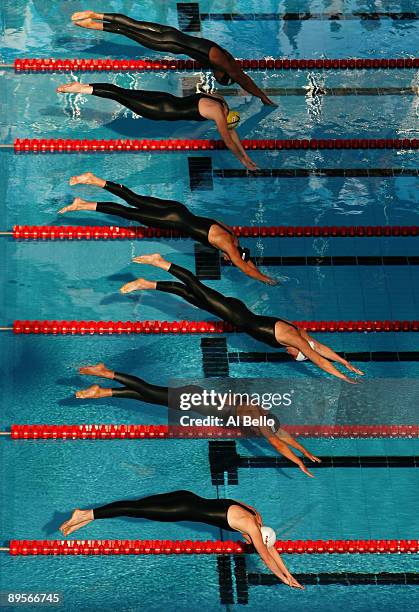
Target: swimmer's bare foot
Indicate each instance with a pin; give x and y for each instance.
(86, 15)
(79, 519)
(97, 370)
(90, 24)
(93, 392)
(87, 178)
(78, 204)
(75, 88)
(155, 259)
(138, 285)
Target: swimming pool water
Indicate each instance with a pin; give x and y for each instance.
(43, 481)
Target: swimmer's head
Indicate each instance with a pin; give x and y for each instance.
(233, 119)
(223, 78)
(268, 536)
(244, 253)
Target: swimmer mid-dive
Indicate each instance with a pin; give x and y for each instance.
(170, 40)
(138, 389)
(273, 331)
(159, 105)
(227, 514)
(169, 214)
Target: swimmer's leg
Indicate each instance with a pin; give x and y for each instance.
(132, 198)
(130, 98)
(137, 200)
(199, 294)
(165, 286)
(144, 391)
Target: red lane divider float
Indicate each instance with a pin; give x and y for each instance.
(189, 547)
(163, 432)
(61, 145)
(86, 328)
(121, 65)
(114, 232)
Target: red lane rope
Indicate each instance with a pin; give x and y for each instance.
(194, 327)
(189, 547)
(115, 232)
(162, 432)
(99, 65)
(68, 145)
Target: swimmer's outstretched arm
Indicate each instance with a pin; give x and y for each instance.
(280, 439)
(248, 267)
(281, 446)
(291, 441)
(250, 165)
(302, 345)
(277, 558)
(271, 560)
(231, 140)
(329, 353)
(233, 69)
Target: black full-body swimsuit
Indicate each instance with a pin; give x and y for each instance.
(155, 212)
(227, 308)
(156, 105)
(166, 39)
(173, 507)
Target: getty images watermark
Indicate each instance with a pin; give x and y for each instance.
(251, 404)
(230, 403)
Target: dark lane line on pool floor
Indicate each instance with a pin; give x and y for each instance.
(297, 172)
(361, 356)
(335, 260)
(307, 16)
(341, 578)
(225, 462)
(327, 91)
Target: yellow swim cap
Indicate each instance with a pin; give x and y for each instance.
(233, 119)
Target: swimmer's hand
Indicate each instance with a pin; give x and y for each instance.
(293, 583)
(352, 368)
(268, 102)
(305, 470)
(312, 457)
(249, 164)
(271, 281)
(351, 381)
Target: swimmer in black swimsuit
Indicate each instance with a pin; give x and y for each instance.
(138, 389)
(168, 214)
(227, 514)
(159, 105)
(170, 40)
(272, 331)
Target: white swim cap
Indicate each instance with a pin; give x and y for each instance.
(300, 356)
(268, 536)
